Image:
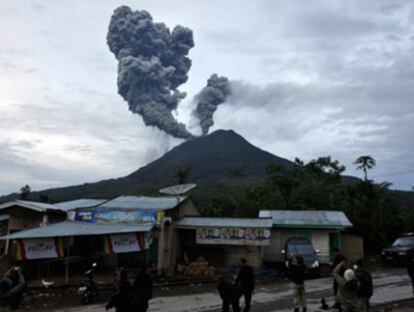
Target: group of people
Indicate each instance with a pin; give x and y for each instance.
(231, 293)
(352, 285)
(129, 297)
(12, 287)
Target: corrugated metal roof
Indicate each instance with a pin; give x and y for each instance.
(197, 222)
(40, 207)
(143, 203)
(4, 217)
(80, 203)
(76, 228)
(307, 218)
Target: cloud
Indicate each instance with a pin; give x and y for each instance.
(331, 77)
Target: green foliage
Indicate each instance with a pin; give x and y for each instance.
(372, 208)
(365, 163)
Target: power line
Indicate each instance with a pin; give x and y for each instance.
(394, 174)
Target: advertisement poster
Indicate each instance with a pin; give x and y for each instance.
(233, 236)
(42, 248)
(122, 243)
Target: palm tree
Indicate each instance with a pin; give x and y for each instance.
(365, 163)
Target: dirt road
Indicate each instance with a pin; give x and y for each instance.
(391, 285)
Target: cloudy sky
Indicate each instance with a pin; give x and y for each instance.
(312, 78)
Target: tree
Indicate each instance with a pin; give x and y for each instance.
(25, 192)
(365, 163)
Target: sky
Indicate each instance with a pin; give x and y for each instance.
(311, 78)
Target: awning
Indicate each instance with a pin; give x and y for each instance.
(76, 228)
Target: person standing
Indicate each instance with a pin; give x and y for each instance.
(296, 273)
(142, 289)
(338, 258)
(245, 282)
(410, 270)
(348, 287)
(366, 287)
(229, 294)
(122, 297)
(11, 289)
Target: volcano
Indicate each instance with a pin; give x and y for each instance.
(222, 161)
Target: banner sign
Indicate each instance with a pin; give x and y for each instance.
(117, 216)
(122, 243)
(233, 236)
(41, 248)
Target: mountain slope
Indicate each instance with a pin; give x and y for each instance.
(221, 161)
(219, 155)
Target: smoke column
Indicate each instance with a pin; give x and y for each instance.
(213, 94)
(152, 64)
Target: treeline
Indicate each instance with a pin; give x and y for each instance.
(372, 208)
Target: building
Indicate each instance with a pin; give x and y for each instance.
(124, 231)
(324, 229)
(223, 241)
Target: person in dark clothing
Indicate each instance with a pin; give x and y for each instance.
(142, 289)
(296, 273)
(348, 287)
(338, 258)
(245, 283)
(229, 294)
(366, 287)
(122, 297)
(12, 287)
(410, 270)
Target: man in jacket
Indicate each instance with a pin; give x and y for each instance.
(142, 289)
(348, 287)
(366, 287)
(122, 297)
(338, 258)
(296, 273)
(410, 270)
(12, 287)
(229, 294)
(245, 282)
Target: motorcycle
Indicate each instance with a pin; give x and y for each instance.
(87, 289)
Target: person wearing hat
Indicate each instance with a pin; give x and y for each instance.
(348, 288)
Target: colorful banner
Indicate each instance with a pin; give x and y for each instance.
(42, 248)
(122, 243)
(233, 236)
(118, 216)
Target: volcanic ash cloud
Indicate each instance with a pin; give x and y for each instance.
(152, 64)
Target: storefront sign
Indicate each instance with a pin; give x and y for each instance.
(117, 216)
(122, 243)
(233, 236)
(41, 248)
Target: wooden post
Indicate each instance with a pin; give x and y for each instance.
(67, 261)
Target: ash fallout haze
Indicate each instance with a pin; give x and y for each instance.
(295, 78)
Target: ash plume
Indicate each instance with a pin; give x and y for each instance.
(213, 94)
(152, 64)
